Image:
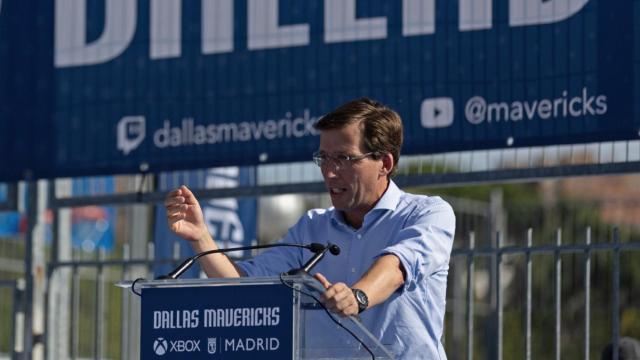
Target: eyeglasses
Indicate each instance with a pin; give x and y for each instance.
(340, 161)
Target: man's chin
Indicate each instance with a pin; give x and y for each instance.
(338, 203)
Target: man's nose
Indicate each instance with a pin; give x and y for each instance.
(330, 171)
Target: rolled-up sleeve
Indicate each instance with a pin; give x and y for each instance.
(424, 243)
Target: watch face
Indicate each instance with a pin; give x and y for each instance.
(362, 299)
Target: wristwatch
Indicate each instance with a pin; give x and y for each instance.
(361, 299)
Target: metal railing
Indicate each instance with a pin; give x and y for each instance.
(496, 255)
(129, 325)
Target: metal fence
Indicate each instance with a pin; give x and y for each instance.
(482, 313)
(467, 259)
(96, 322)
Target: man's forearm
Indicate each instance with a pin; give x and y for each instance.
(215, 265)
(383, 278)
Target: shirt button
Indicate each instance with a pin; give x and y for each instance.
(359, 236)
(353, 270)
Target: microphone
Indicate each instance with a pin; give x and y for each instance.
(332, 248)
(314, 247)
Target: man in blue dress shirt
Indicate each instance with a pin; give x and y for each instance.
(395, 246)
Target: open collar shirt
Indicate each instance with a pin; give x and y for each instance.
(418, 229)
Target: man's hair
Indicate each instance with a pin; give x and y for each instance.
(381, 127)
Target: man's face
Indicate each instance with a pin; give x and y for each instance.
(356, 186)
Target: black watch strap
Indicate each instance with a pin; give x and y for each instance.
(361, 298)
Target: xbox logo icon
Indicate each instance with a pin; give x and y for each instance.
(160, 346)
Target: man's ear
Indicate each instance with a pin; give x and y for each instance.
(387, 164)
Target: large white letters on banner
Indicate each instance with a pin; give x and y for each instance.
(224, 223)
(475, 15)
(264, 31)
(71, 48)
(418, 17)
(263, 28)
(534, 12)
(341, 25)
(217, 26)
(166, 18)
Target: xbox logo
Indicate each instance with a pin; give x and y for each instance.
(160, 346)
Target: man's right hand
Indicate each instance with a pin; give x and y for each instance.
(184, 215)
(185, 219)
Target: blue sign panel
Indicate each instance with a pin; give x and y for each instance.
(166, 85)
(230, 322)
(92, 226)
(26, 96)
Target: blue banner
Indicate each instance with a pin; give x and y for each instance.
(154, 85)
(225, 322)
(92, 226)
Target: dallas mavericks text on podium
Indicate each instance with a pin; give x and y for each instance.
(232, 317)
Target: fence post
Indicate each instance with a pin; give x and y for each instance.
(98, 319)
(615, 301)
(16, 339)
(529, 275)
(34, 270)
(499, 299)
(497, 226)
(59, 287)
(587, 293)
(470, 293)
(125, 326)
(558, 295)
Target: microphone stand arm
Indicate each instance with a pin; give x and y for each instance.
(179, 270)
(314, 260)
(309, 264)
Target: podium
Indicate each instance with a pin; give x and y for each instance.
(247, 318)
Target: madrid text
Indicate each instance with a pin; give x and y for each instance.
(251, 344)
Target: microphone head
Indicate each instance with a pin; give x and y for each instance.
(316, 248)
(334, 249)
